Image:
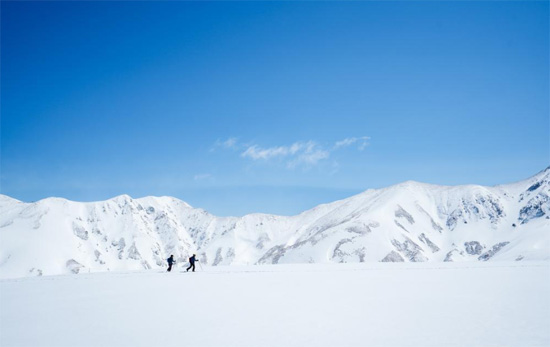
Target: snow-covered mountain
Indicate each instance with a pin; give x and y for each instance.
(411, 222)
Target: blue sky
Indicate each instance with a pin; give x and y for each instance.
(241, 107)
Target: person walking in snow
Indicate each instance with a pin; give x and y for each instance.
(192, 263)
(170, 262)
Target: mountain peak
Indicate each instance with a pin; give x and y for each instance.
(122, 197)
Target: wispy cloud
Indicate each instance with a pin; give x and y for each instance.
(361, 141)
(308, 154)
(230, 143)
(363, 145)
(345, 142)
(255, 152)
(309, 159)
(298, 154)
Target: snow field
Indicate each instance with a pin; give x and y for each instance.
(397, 304)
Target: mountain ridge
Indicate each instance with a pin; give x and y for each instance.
(409, 221)
(404, 183)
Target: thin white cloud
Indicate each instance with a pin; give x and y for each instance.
(296, 147)
(255, 152)
(362, 142)
(299, 153)
(345, 142)
(310, 158)
(230, 143)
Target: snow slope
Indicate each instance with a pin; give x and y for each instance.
(373, 304)
(410, 222)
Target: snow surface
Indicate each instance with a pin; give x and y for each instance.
(377, 304)
(408, 222)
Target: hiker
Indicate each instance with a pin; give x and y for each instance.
(192, 261)
(170, 262)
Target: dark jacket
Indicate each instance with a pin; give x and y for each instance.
(192, 260)
(170, 260)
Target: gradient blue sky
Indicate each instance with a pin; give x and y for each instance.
(241, 107)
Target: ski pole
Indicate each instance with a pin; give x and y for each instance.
(200, 266)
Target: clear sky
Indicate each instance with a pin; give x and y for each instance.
(241, 107)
